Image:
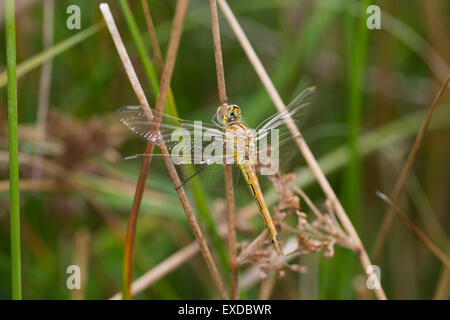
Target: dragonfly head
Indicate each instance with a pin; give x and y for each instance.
(227, 114)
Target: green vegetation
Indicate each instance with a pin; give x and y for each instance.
(13, 150)
(374, 90)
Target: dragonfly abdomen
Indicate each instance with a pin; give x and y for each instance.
(244, 153)
(249, 173)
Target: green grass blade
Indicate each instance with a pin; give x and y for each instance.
(357, 40)
(149, 67)
(46, 55)
(356, 49)
(13, 150)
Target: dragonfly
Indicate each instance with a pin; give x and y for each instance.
(227, 140)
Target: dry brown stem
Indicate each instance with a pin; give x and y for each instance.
(417, 232)
(162, 269)
(152, 33)
(301, 143)
(229, 192)
(45, 83)
(166, 76)
(388, 216)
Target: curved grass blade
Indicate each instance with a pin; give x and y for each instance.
(46, 55)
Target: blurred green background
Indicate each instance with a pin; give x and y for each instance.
(374, 89)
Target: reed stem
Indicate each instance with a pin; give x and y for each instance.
(13, 150)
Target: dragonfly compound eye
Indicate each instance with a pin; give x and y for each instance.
(236, 111)
(233, 113)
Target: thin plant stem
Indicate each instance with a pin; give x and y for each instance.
(417, 232)
(142, 51)
(441, 291)
(149, 67)
(197, 188)
(388, 216)
(310, 204)
(158, 54)
(28, 185)
(13, 150)
(218, 51)
(45, 83)
(229, 192)
(162, 269)
(180, 12)
(315, 210)
(251, 247)
(127, 273)
(267, 286)
(127, 270)
(152, 33)
(301, 143)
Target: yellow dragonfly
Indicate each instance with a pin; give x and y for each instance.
(227, 140)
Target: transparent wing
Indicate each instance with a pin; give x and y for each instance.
(274, 142)
(180, 136)
(296, 110)
(208, 176)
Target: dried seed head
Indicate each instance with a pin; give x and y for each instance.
(329, 252)
(262, 275)
(301, 214)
